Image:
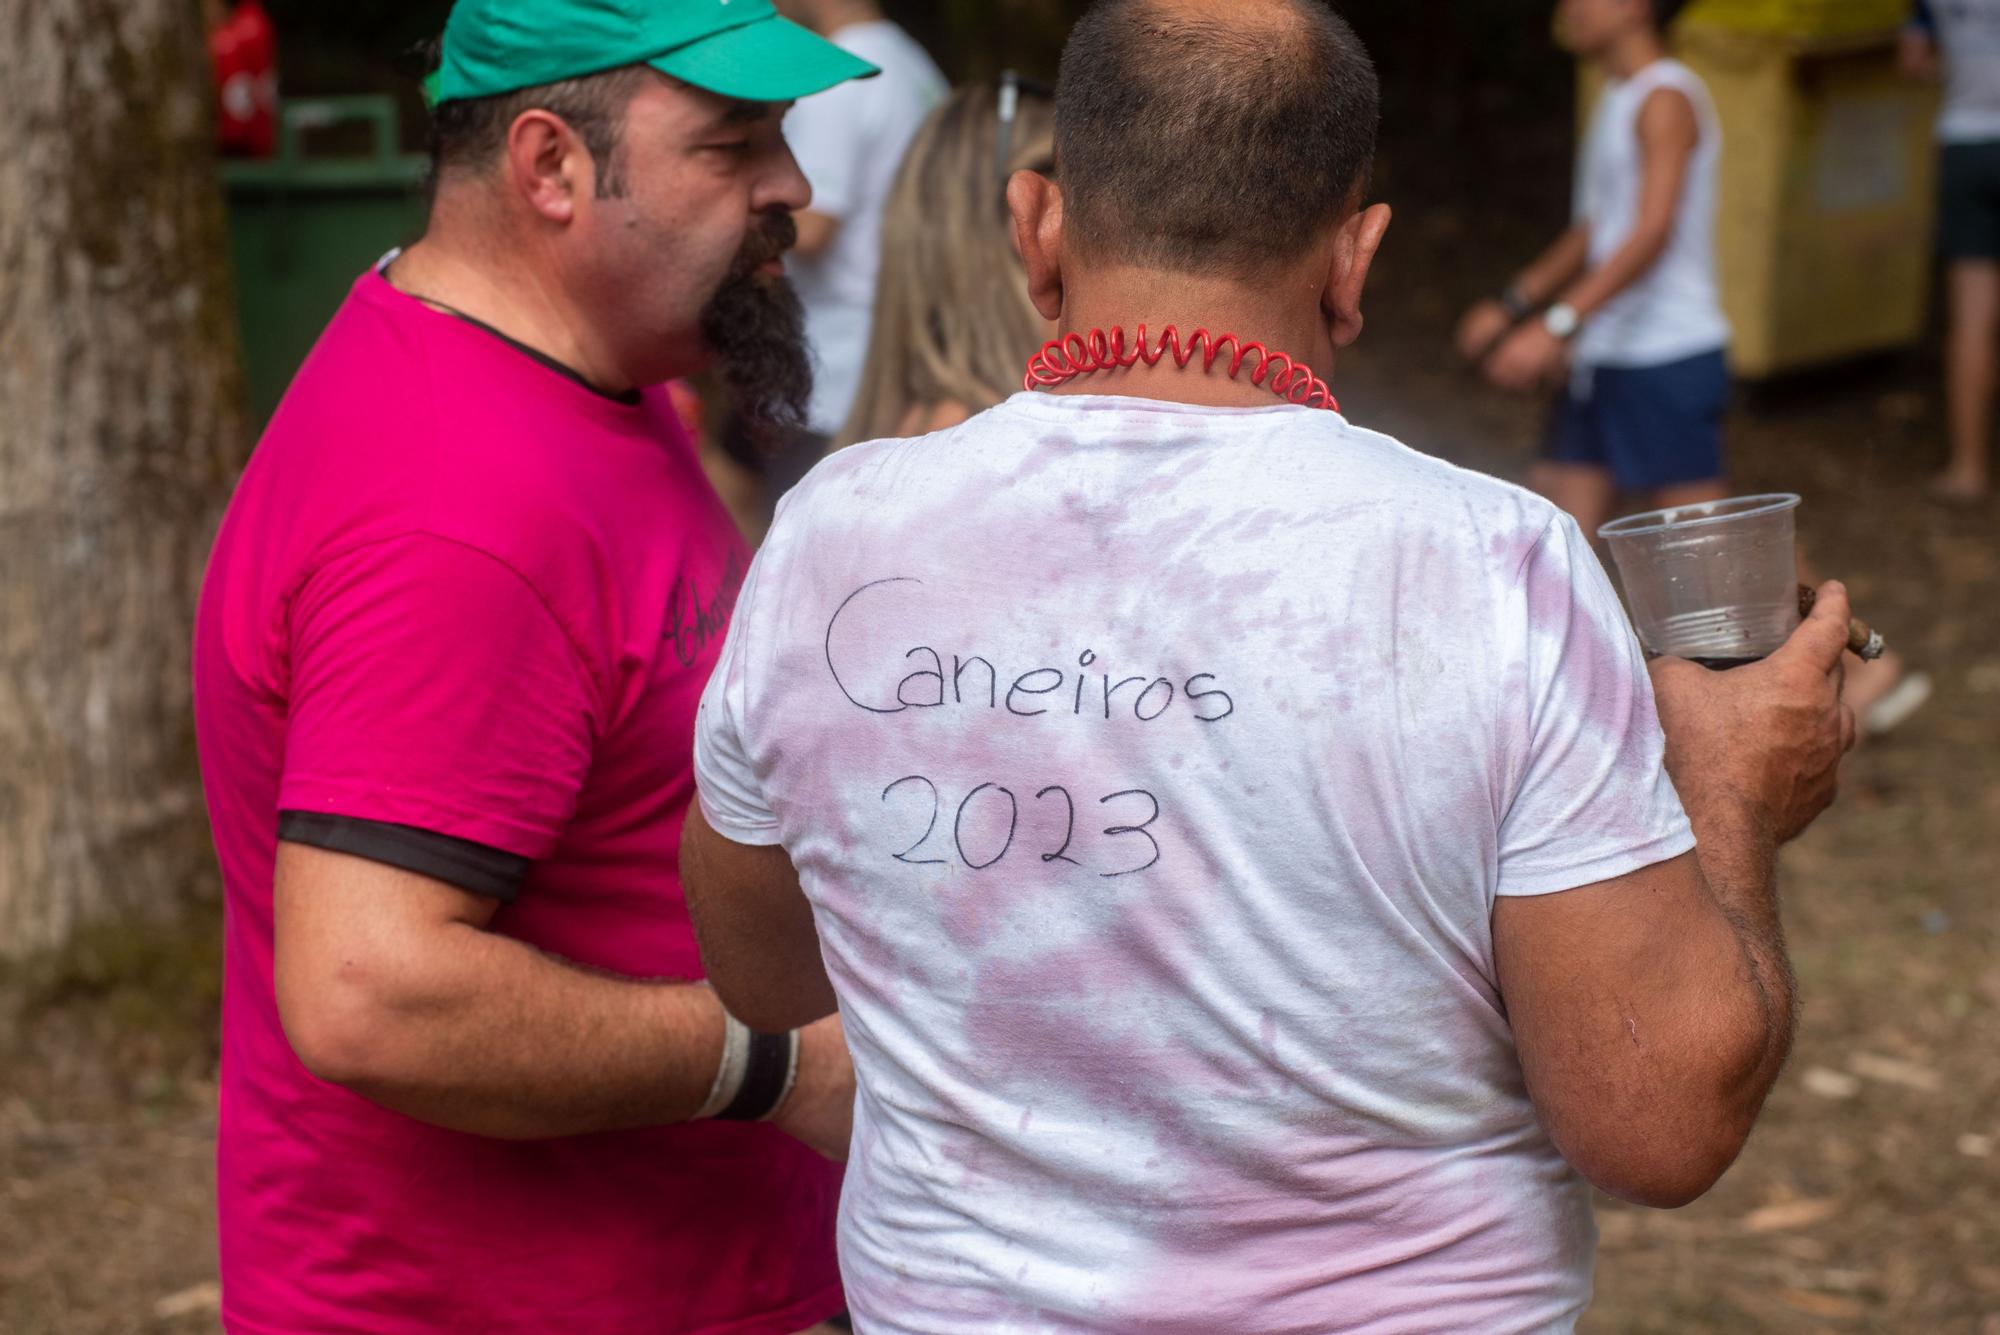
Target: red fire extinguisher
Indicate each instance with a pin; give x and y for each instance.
(244, 47)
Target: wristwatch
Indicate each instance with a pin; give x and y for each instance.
(1561, 320)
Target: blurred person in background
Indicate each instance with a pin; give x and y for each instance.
(849, 142)
(953, 322)
(451, 642)
(1624, 305)
(1961, 38)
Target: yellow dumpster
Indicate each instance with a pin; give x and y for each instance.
(1829, 175)
(1801, 18)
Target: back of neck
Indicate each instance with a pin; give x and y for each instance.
(1128, 300)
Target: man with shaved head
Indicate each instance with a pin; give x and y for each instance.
(1247, 854)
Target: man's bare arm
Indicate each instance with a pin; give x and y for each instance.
(389, 984)
(1639, 1029)
(755, 927)
(1654, 1012)
(1556, 268)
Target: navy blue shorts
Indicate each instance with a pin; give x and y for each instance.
(1652, 426)
(1969, 202)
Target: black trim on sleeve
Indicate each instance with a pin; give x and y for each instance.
(630, 398)
(442, 857)
(764, 1080)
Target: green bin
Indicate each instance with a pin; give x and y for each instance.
(301, 230)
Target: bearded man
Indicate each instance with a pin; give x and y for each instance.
(453, 636)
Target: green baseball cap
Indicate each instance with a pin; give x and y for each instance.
(736, 48)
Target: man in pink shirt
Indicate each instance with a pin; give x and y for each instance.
(454, 633)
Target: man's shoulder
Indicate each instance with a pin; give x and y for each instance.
(366, 365)
(1672, 77)
(1432, 494)
(1331, 455)
(840, 473)
(1437, 472)
(386, 432)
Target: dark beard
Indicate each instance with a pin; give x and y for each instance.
(755, 328)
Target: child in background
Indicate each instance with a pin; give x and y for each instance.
(1624, 304)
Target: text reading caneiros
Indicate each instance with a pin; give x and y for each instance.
(963, 677)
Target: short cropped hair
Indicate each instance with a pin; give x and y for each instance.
(1666, 11)
(469, 134)
(1195, 141)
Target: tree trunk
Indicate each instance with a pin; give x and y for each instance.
(121, 432)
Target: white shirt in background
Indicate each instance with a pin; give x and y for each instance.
(850, 141)
(1673, 311)
(1153, 772)
(1968, 36)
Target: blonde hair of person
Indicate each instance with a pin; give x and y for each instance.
(954, 328)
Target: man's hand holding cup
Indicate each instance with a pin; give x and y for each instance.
(1769, 735)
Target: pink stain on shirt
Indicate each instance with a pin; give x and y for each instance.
(1247, 1070)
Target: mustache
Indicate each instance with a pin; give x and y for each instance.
(771, 239)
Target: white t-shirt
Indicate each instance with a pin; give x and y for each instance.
(850, 141)
(1674, 310)
(1968, 35)
(1152, 772)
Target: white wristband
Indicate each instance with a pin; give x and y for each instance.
(735, 1067)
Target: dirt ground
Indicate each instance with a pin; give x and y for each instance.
(1869, 1199)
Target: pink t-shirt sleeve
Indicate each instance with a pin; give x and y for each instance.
(431, 686)
(1594, 801)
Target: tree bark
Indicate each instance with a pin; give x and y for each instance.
(121, 432)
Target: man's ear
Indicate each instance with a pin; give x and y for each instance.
(1354, 250)
(1036, 203)
(548, 166)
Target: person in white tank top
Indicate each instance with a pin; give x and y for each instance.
(1623, 309)
(1958, 45)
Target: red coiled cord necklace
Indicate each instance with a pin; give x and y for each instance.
(1064, 359)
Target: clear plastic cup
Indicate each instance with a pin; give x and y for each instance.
(1717, 583)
